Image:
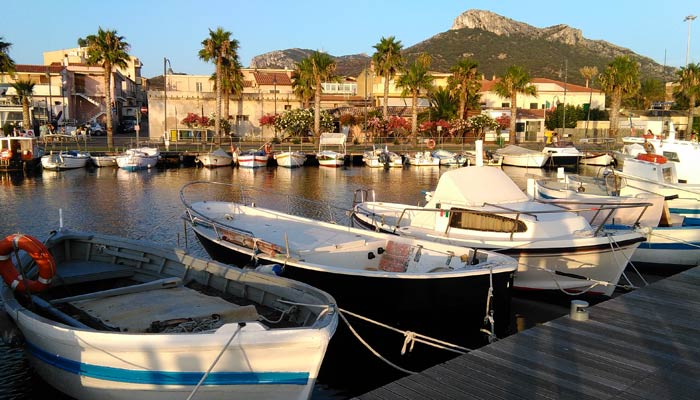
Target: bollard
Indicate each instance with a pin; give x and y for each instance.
(578, 310)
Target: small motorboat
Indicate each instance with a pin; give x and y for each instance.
(63, 160)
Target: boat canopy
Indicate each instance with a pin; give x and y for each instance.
(333, 139)
(474, 186)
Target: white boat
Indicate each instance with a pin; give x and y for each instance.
(64, 160)
(487, 158)
(382, 158)
(482, 207)
(331, 158)
(104, 160)
(599, 158)
(19, 153)
(253, 158)
(562, 156)
(417, 285)
(214, 159)
(449, 159)
(423, 159)
(290, 159)
(125, 319)
(521, 157)
(138, 158)
(684, 154)
(672, 240)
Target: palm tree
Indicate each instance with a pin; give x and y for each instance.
(650, 90)
(387, 62)
(6, 63)
(24, 89)
(515, 81)
(464, 82)
(319, 68)
(301, 82)
(217, 47)
(415, 79)
(231, 81)
(619, 80)
(588, 73)
(109, 50)
(442, 104)
(689, 85)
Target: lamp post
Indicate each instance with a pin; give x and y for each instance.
(165, 99)
(690, 19)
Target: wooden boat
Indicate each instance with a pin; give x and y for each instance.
(214, 159)
(138, 158)
(413, 284)
(290, 159)
(331, 158)
(19, 153)
(600, 158)
(521, 157)
(115, 318)
(64, 160)
(556, 249)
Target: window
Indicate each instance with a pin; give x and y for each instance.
(287, 106)
(479, 221)
(533, 106)
(505, 105)
(198, 87)
(241, 118)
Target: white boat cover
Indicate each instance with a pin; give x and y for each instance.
(514, 150)
(333, 139)
(474, 186)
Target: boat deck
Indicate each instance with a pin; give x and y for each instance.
(641, 345)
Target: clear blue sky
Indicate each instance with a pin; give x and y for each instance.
(176, 28)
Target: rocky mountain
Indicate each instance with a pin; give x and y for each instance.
(497, 42)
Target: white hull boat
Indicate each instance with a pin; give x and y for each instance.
(562, 156)
(517, 156)
(290, 159)
(450, 159)
(214, 159)
(253, 159)
(104, 160)
(63, 160)
(382, 159)
(139, 158)
(423, 159)
(331, 158)
(597, 158)
(123, 319)
(556, 249)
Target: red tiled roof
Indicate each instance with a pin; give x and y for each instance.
(38, 69)
(268, 78)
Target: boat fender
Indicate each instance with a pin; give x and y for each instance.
(270, 269)
(380, 250)
(44, 261)
(370, 256)
(268, 148)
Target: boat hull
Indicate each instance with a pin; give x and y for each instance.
(525, 160)
(290, 159)
(63, 161)
(252, 161)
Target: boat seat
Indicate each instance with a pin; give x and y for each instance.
(72, 272)
(395, 257)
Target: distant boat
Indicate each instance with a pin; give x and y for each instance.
(126, 319)
(64, 160)
(423, 159)
(214, 159)
(290, 159)
(104, 160)
(382, 158)
(331, 158)
(138, 158)
(19, 153)
(450, 159)
(521, 157)
(562, 156)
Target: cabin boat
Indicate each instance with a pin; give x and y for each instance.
(19, 153)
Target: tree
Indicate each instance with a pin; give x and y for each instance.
(443, 104)
(108, 50)
(217, 47)
(619, 81)
(301, 82)
(319, 67)
(6, 62)
(650, 91)
(588, 73)
(387, 62)
(231, 80)
(689, 85)
(415, 79)
(465, 83)
(515, 81)
(24, 89)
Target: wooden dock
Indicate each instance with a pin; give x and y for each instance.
(641, 345)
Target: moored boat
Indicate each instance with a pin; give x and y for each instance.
(331, 158)
(517, 156)
(64, 160)
(138, 158)
(19, 153)
(290, 159)
(124, 319)
(214, 159)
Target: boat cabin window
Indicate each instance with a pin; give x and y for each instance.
(668, 175)
(479, 221)
(671, 156)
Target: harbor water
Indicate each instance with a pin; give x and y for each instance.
(145, 205)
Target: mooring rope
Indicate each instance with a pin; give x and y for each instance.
(216, 360)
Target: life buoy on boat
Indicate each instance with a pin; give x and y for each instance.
(268, 148)
(430, 144)
(6, 154)
(44, 261)
(655, 158)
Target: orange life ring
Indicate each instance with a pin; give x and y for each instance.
(655, 158)
(6, 154)
(268, 148)
(44, 261)
(430, 144)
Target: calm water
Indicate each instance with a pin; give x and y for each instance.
(146, 205)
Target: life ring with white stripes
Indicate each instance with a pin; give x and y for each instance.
(268, 148)
(430, 144)
(41, 255)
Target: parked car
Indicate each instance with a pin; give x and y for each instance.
(94, 128)
(127, 126)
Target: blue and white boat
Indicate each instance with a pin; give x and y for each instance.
(114, 318)
(138, 158)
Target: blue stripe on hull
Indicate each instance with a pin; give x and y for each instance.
(167, 377)
(669, 246)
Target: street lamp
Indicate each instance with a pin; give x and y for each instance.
(165, 98)
(690, 19)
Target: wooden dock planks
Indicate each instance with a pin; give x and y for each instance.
(641, 345)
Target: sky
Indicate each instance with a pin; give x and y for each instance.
(175, 29)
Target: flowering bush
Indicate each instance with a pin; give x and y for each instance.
(430, 128)
(482, 122)
(377, 125)
(268, 120)
(398, 125)
(300, 121)
(503, 121)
